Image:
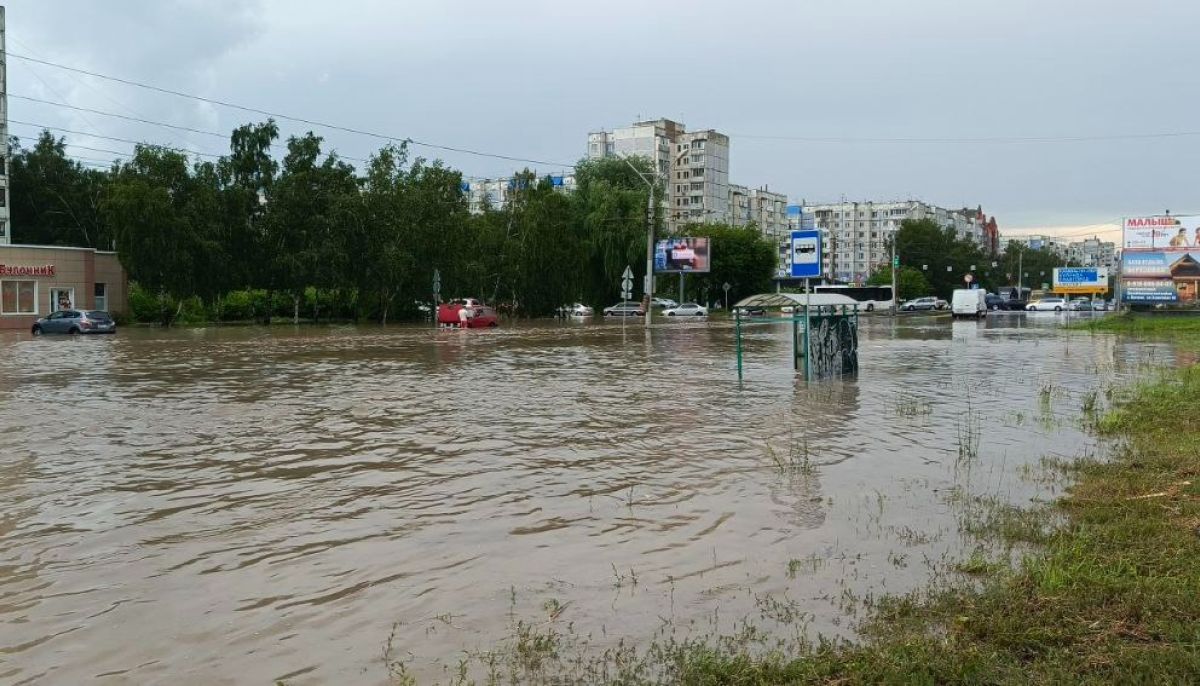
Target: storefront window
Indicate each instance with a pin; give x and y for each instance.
(18, 297)
(100, 297)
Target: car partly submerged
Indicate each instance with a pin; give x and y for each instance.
(686, 310)
(73, 322)
(467, 313)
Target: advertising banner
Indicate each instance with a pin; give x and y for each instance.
(806, 254)
(1161, 232)
(685, 254)
(1149, 291)
(1080, 279)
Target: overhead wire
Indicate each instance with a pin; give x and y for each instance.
(287, 117)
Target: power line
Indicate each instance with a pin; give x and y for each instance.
(117, 116)
(982, 139)
(168, 125)
(111, 138)
(278, 115)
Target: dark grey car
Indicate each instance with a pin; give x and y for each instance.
(75, 322)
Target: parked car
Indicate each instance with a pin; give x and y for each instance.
(926, 303)
(1081, 305)
(752, 311)
(1101, 306)
(625, 308)
(968, 302)
(1049, 304)
(687, 310)
(75, 322)
(663, 302)
(580, 310)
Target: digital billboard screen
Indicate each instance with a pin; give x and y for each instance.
(685, 254)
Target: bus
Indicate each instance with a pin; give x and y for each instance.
(870, 298)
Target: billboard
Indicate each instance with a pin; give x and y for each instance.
(1160, 262)
(806, 254)
(1080, 279)
(1149, 291)
(686, 254)
(1161, 232)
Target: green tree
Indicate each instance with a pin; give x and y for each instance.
(740, 256)
(147, 205)
(610, 216)
(300, 233)
(54, 199)
(910, 282)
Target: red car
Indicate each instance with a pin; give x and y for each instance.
(467, 313)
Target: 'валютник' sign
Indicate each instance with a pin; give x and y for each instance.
(21, 270)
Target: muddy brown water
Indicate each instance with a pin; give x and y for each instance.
(244, 505)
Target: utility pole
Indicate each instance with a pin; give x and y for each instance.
(5, 158)
(1020, 271)
(895, 265)
(649, 251)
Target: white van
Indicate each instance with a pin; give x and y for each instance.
(968, 302)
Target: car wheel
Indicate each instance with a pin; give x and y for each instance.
(870, 307)
(670, 314)
(909, 308)
(1057, 309)
(492, 325)
(73, 331)
(36, 331)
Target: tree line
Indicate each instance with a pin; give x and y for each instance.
(934, 261)
(309, 235)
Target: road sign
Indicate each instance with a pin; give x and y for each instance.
(896, 262)
(627, 283)
(726, 286)
(806, 254)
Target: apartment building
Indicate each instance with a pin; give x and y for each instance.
(495, 193)
(694, 166)
(859, 233)
(1092, 252)
(764, 208)
(1039, 242)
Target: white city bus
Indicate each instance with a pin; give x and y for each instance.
(870, 298)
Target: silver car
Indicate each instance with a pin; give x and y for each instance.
(75, 322)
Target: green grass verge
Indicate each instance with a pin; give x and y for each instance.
(1110, 593)
(1145, 324)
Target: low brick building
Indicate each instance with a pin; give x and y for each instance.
(36, 280)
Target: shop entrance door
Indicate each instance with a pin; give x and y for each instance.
(62, 299)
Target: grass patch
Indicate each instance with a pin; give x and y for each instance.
(1145, 324)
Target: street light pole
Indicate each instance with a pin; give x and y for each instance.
(895, 297)
(649, 286)
(649, 249)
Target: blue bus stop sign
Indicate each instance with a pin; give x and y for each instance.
(806, 254)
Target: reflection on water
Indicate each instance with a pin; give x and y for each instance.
(242, 505)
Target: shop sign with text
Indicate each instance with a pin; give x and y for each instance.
(23, 270)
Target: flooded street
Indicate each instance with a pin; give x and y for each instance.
(242, 505)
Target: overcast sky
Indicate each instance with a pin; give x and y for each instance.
(530, 79)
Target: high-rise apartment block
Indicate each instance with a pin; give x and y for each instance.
(764, 208)
(692, 165)
(495, 193)
(858, 234)
(1093, 252)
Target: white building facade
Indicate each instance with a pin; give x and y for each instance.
(495, 193)
(1093, 252)
(857, 235)
(693, 165)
